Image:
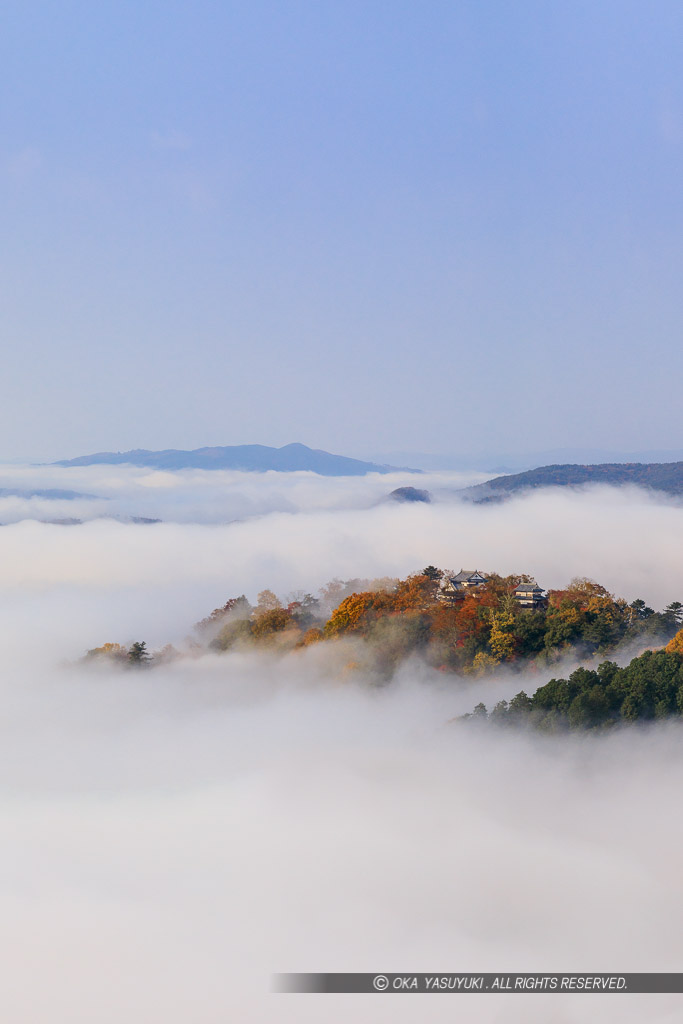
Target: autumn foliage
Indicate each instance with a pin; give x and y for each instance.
(675, 645)
(356, 612)
(471, 631)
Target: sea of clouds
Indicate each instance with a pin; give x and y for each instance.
(171, 838)
(198, 495)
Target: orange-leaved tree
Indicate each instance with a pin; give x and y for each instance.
(415, 593)
(114, 651)
(311, 636)
(357, 611)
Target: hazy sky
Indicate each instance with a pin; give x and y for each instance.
(451, 226)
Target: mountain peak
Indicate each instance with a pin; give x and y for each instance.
(247, 457)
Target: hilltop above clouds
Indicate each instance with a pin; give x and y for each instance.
(663, 476)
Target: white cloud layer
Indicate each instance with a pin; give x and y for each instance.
(203, 496)
(170, 839)
(300, 530)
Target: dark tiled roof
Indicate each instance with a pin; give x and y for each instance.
(466, 574)
(529, 588)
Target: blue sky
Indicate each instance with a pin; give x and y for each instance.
(451, 227)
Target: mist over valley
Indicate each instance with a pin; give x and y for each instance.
(248, 812)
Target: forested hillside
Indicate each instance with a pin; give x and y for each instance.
(383, 622)
(650, 688)
(658, 476)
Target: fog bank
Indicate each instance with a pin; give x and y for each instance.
(626, 539)
(201, 496)
(171, 838)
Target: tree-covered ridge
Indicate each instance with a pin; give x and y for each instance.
(482, 630)
(657, 476)
(649, 688)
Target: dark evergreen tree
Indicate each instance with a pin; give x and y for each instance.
(432, 573)
(138, 654)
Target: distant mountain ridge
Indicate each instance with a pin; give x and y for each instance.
(249, 457)
(657, 476)
(51, 493)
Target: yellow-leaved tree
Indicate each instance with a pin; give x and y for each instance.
(501, 641)
(675, 645)
(483, 663)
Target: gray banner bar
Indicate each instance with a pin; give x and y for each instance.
(522, 983)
